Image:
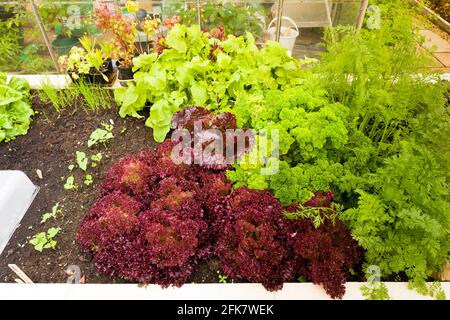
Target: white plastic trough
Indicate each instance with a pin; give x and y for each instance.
(16, 195)
(216, 291)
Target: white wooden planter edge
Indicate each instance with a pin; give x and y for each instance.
(61, 81)
(216, 291)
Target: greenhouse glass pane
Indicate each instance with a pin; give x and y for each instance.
(311, 18)
(22, 46)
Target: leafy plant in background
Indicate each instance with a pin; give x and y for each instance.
(195, 69)
(15, 55)
(11, 35)
(236, 18)
(15, 109)
(92, 58)
(45, 240)
(34, 59)
(124, 28)
(56, 18)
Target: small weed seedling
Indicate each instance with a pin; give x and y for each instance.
(96, 158)
(101, 135)
(70, 184)
(222, 278)
(82, 160)
(71, 167)
(45, 240)
(88, 180)
(56, 210)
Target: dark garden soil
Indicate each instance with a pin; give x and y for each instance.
(50, 146)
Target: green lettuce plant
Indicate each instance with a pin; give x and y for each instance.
(195, 69)
(15, 109)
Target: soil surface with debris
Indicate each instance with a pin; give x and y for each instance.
(49, 147)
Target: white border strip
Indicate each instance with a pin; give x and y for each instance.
(62, 81)
(240, 291)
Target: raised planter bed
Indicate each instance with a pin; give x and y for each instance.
(433, 16)
(59, 135)
(241, 291)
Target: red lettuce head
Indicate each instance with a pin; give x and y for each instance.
(131, 175)
(253, 245)
(111, 216)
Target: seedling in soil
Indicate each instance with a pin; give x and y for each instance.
(70, 184)
(96, 158)
(45, 240)
(71, 167)
(95, 97)
(101, 135)
(88, 180)
(60, 99)
(56, 210)
(82, 160)
(222, 278)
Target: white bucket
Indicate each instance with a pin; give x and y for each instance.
(288, 35)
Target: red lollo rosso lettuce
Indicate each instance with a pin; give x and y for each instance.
(131, 175)
(150, 224)
(253, 242)
(171, 240)
(320, 200)
(324, 254)
(259, 244)
(156, 220)
(113, 215)
(211, 146)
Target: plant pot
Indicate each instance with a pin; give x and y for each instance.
(125, 75)
(62, 45)
(6, 13)
(107, 70)
(96, 77)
